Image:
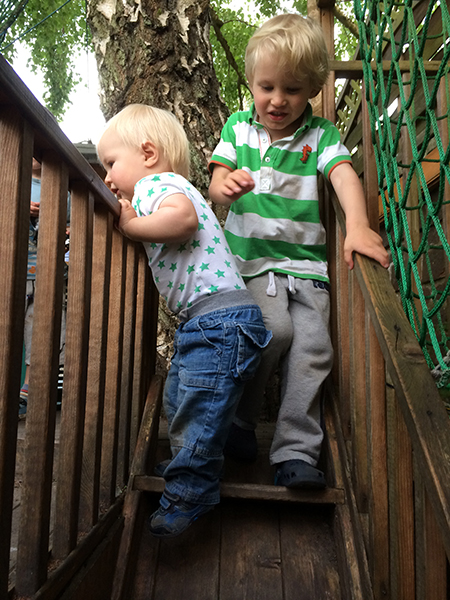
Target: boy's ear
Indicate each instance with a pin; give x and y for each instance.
(314, 92)
(151, 153)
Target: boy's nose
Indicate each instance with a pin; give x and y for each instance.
(278, 99)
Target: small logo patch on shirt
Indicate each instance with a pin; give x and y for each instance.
(306, 151)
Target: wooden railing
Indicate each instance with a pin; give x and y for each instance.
(70, 501)
(393, 429)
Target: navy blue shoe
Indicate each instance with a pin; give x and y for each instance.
(298, 474)
(175, 515)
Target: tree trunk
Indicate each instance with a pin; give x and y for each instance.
(158, 52)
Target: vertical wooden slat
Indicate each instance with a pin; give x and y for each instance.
(75, 372)
(358, 396)
(329, 90)
(344, 338)
(140, 343)
(435, 557)
(370, 170)
(331, 228)
(16, 147)
(401, 504)
(129, 331)
(113, 371)
(431, 561)
(444, 126)
(146, 445)
(101, 261)
(42, 394)
(378, 490)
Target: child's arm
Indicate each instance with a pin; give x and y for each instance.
(227, 186)
(174, 221)
(360, 237)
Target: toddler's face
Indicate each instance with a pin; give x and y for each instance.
(124, 165)
(280, 99)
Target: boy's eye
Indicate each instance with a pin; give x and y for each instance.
(293, 90)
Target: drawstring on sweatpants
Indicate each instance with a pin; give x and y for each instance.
(272, 288)
(291, 284)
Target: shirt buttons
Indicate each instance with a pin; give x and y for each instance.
(267, 159)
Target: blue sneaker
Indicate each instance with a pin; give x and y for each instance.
(175, 515)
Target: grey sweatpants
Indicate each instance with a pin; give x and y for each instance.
(299, 321)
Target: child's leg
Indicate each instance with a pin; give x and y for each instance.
(213, 359)
(298, 433)
(214, 355)
(275, 310)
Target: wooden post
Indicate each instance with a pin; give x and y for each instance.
(75, 372)
(42, 391)
(16, 148)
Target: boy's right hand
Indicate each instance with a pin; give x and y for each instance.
(228, 186)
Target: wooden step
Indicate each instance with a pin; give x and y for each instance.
(251, 491)
(243, 551)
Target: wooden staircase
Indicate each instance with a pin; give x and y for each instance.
(261, 541)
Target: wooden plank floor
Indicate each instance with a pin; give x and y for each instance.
(243, 550)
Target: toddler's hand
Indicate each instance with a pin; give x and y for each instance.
(127, 213)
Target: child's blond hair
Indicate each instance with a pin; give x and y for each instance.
(297, 43)
(137, 123)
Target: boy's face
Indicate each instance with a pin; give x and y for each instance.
(124, 165)
(280, 99)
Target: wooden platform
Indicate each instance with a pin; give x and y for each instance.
(259, 549)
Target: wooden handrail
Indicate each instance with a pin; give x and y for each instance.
(353, 69)
(48, 134)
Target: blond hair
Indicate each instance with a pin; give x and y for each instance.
(297, 42)
(137, 123)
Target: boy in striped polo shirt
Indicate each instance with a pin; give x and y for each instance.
(265, 168)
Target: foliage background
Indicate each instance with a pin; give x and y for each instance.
(56, 33)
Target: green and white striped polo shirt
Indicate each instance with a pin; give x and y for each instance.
(276, 227)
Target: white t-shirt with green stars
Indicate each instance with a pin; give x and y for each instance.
(190, 271)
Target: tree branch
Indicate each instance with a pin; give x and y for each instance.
(346, 21)
(217, 24)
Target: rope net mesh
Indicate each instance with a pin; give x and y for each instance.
(405, 48)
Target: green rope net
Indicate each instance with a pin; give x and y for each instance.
(405, 50)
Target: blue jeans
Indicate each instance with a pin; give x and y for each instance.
(215, 354)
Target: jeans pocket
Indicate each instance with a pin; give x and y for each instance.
(251, 339)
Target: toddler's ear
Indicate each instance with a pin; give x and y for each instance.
(151, 153)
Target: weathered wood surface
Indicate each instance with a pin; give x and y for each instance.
(15, 175)
(243, 549)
